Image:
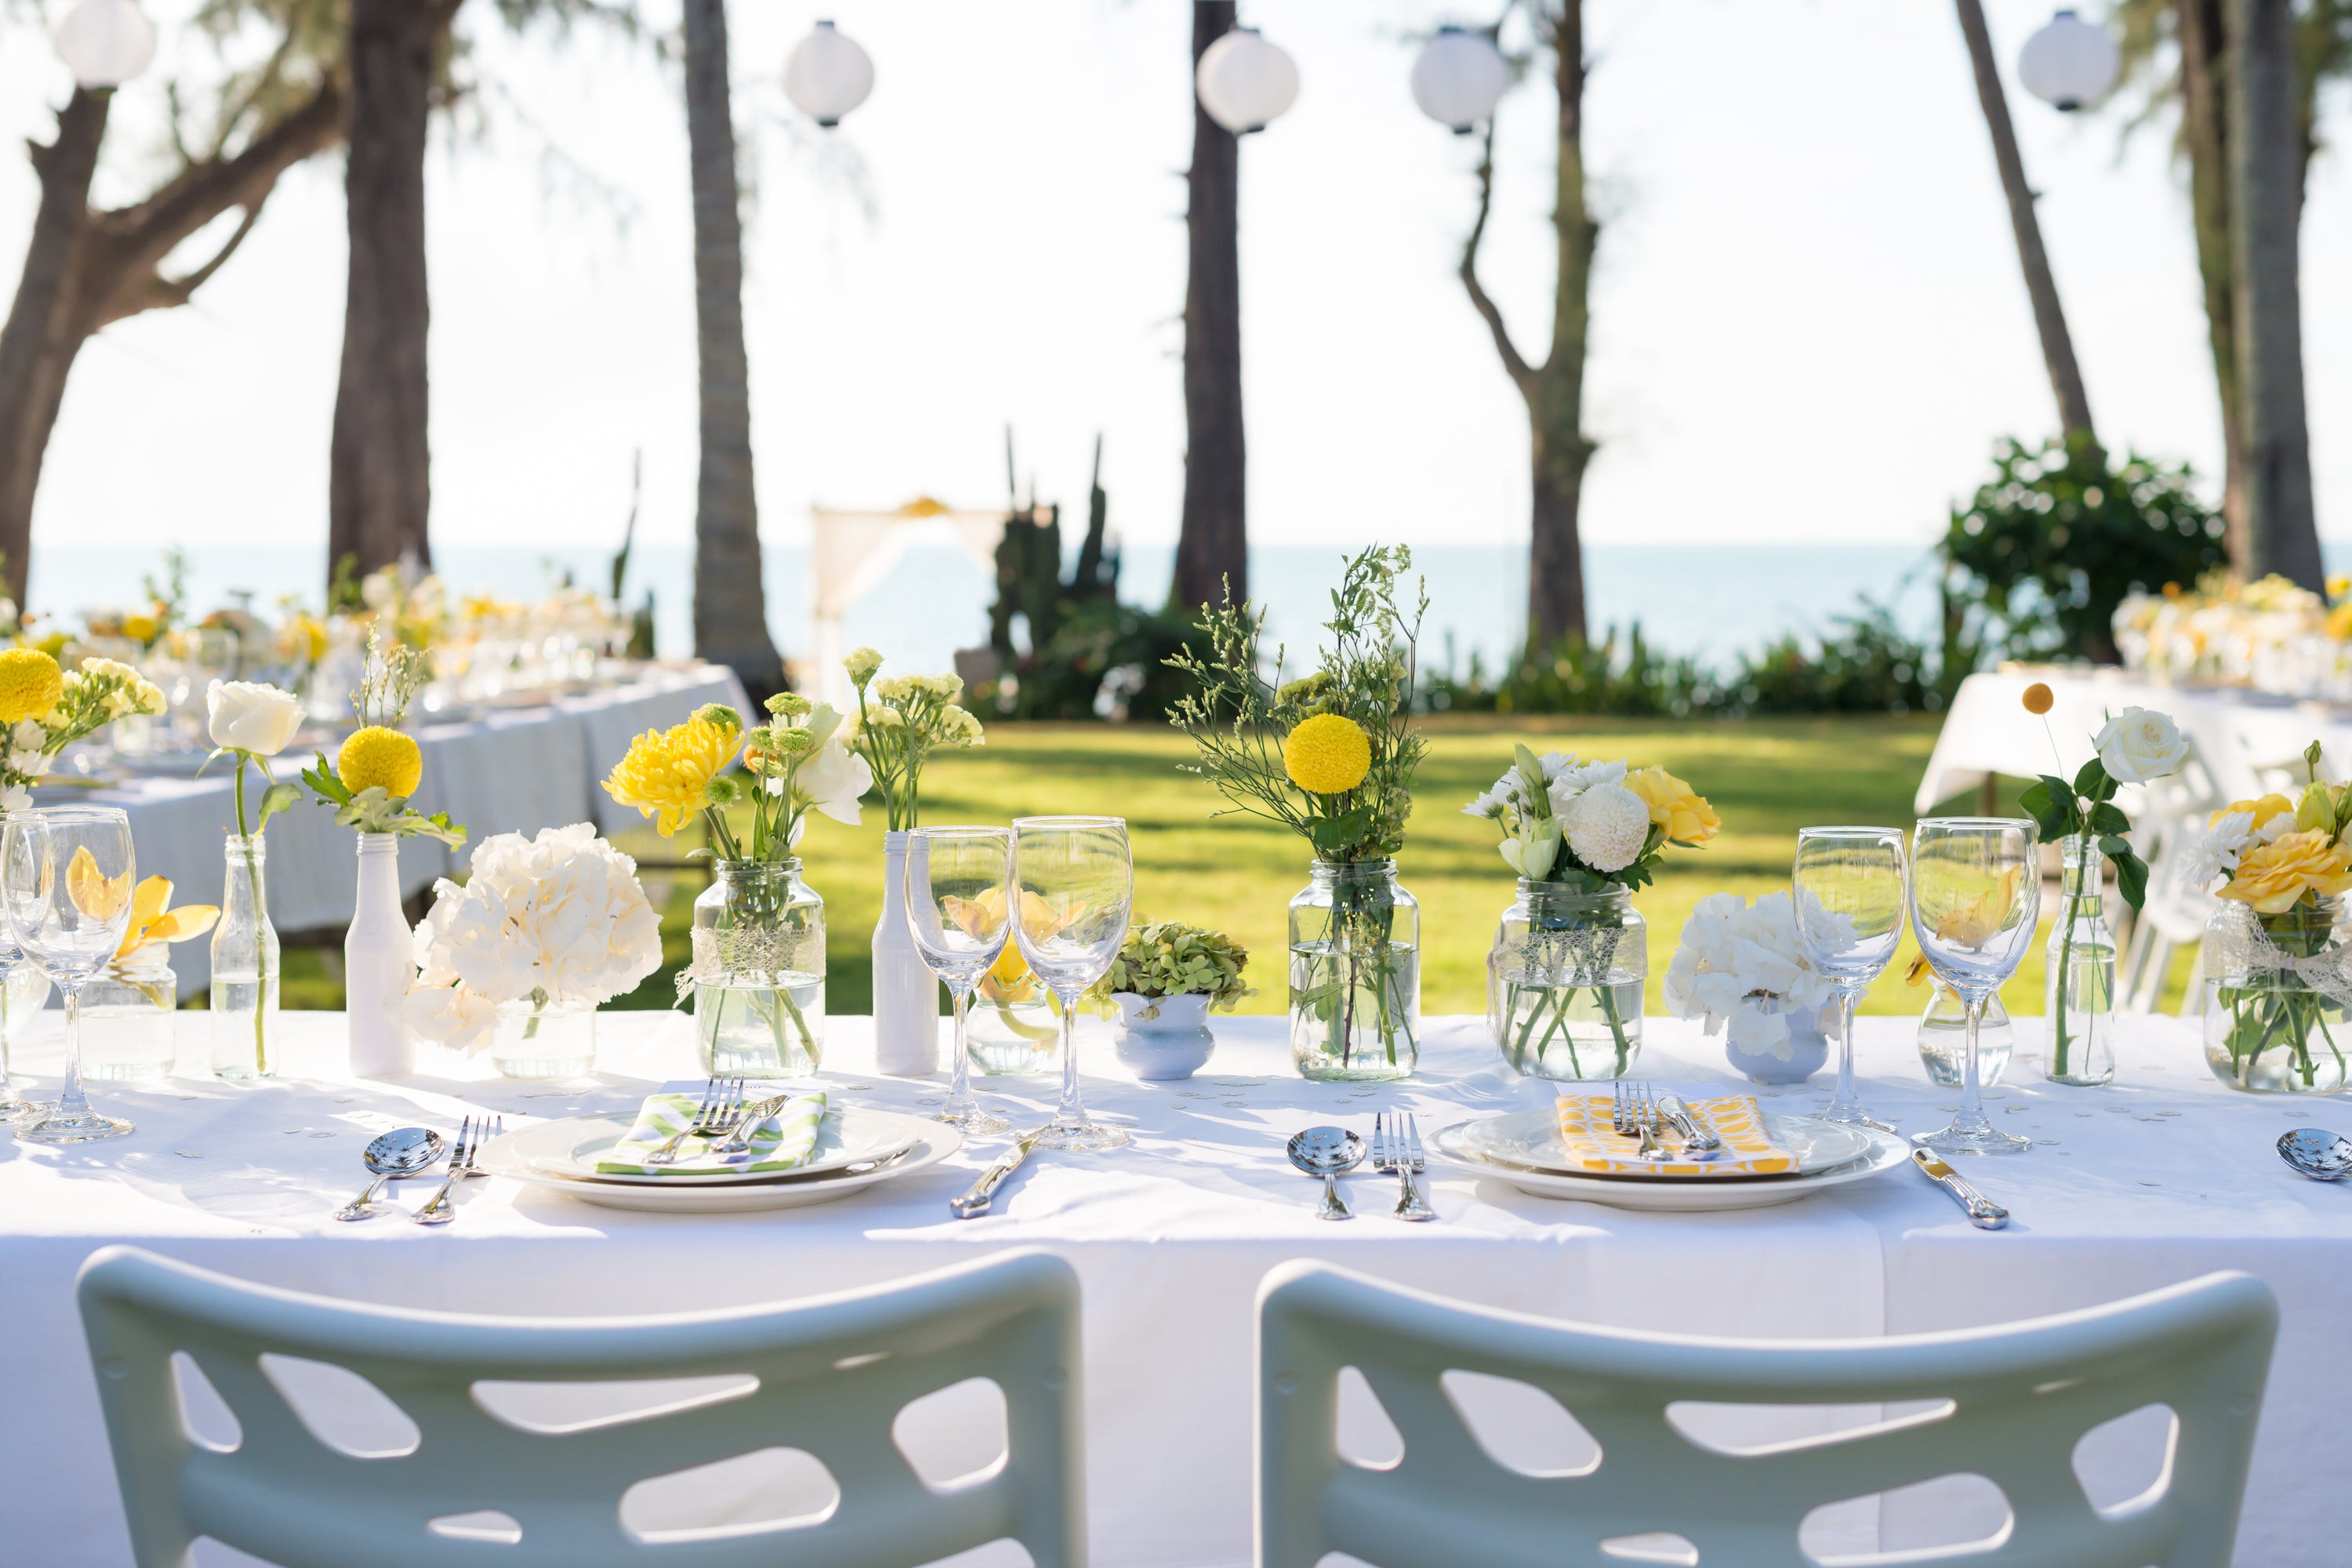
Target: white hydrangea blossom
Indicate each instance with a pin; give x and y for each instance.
(1742, 968)
(1607, 826)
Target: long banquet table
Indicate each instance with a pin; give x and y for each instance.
(2165, 1176)
(520, 769)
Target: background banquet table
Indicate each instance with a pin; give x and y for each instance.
(2246, 739)
(2165, 1177)
(516, 770)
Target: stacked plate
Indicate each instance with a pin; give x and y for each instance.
(857, 1148)
(1524, 1148)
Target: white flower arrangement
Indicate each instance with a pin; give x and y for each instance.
(1740, 967)
(556, 919)
(1590, 822)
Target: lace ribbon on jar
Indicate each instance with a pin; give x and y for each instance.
(2241, 947)
(755, 953)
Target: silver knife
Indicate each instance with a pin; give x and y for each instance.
(974, 1203)
(1982, 1212)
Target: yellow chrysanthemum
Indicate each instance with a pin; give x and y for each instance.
(30, 684)
(1674, 805)
(2272, 877)
(378, 758)
(1327, 755)
(666, 774)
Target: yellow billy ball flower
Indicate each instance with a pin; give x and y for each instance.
(1327, 755)
(666, 774)
(2039, 698)
(30, 684)
(378, 758)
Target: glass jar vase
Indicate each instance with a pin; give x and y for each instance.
(758, 971)
(542, 1039)
(1944, 1038)
(1564, 981)
(23, 990)
(245, 1029)
(1013, 1025)
(130, 1018)
(2276, 991)
(1355, 973)
(2079, 992)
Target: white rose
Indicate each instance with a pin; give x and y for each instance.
(246, 716)
(1607, 826)
(2139, 745)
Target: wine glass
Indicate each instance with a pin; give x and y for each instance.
(1848, 888)
(959, 905)
(66, 875)
(1976, 888)
(1073, 882)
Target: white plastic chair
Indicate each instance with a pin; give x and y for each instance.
(2020, 1398)
(833, 1375)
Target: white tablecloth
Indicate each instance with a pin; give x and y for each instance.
(2164, 1177)
(517, 771)
(2240, 734)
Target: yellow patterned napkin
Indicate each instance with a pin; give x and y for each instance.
(1593, 1143)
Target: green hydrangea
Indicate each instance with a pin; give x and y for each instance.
(1169, 958)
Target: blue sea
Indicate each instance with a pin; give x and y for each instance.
(1712, 601)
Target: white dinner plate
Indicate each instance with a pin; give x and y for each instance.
(1886, 1152)
(570, 1148)
(938, 1142)
(1530, 1140)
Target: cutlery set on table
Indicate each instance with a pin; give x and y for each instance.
(407, 1152)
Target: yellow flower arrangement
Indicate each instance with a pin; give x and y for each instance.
(153, 919)
(1674, 805)
(379, 758)
(667, 773)
(1327, 754)
(2273, 877)
(30, 684)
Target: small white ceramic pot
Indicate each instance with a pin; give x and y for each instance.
(1808, 1048)
(1163, 1037)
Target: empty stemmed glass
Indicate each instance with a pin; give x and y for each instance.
(66, 875)
(1074, 882)
(1848, 888)
(1976, 888)
(959, 906)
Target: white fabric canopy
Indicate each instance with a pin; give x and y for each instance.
(2162, 1178)
(850, 552)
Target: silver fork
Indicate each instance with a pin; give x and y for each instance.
(721, 1096)
(1410, 1161)
(1644, 1113)
(462, 1159)
(1621, 1112)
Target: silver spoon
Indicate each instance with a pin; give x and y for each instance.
(2322, 1156)
(403, 1151)
(1329, 1153)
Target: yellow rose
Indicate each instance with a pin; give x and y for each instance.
(2272, 877)
(1674, 805)
(2261, 810)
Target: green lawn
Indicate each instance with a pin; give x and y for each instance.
(1766, 777)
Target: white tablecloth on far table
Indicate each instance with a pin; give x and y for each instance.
(2240, 734)
(2165, 1177)
(517, 771)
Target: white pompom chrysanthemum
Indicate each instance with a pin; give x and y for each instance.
(1607, 826)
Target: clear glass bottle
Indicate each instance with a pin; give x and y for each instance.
(2079, 995)
(759, 970)
(1564, 981)
(1355, 973)
(1944, 1039)
(2275, 1020)
(130, 1018)
(246, 1033)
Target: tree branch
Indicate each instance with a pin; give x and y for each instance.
(1522, 375)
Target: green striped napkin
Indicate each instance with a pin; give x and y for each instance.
(783, 1140)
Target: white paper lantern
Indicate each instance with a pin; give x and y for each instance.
(2069, 63)
(105, 43)
(1459, 79)
(1244, 82)
(827, 75)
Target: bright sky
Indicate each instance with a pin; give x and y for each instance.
(1808, 322)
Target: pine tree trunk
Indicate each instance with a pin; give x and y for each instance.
(2040, 287)
(1212, 547)
(2202, 36)
(379, 485)
(43, 334)
(730, 616)
(1555, 397)
(2267, 164)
